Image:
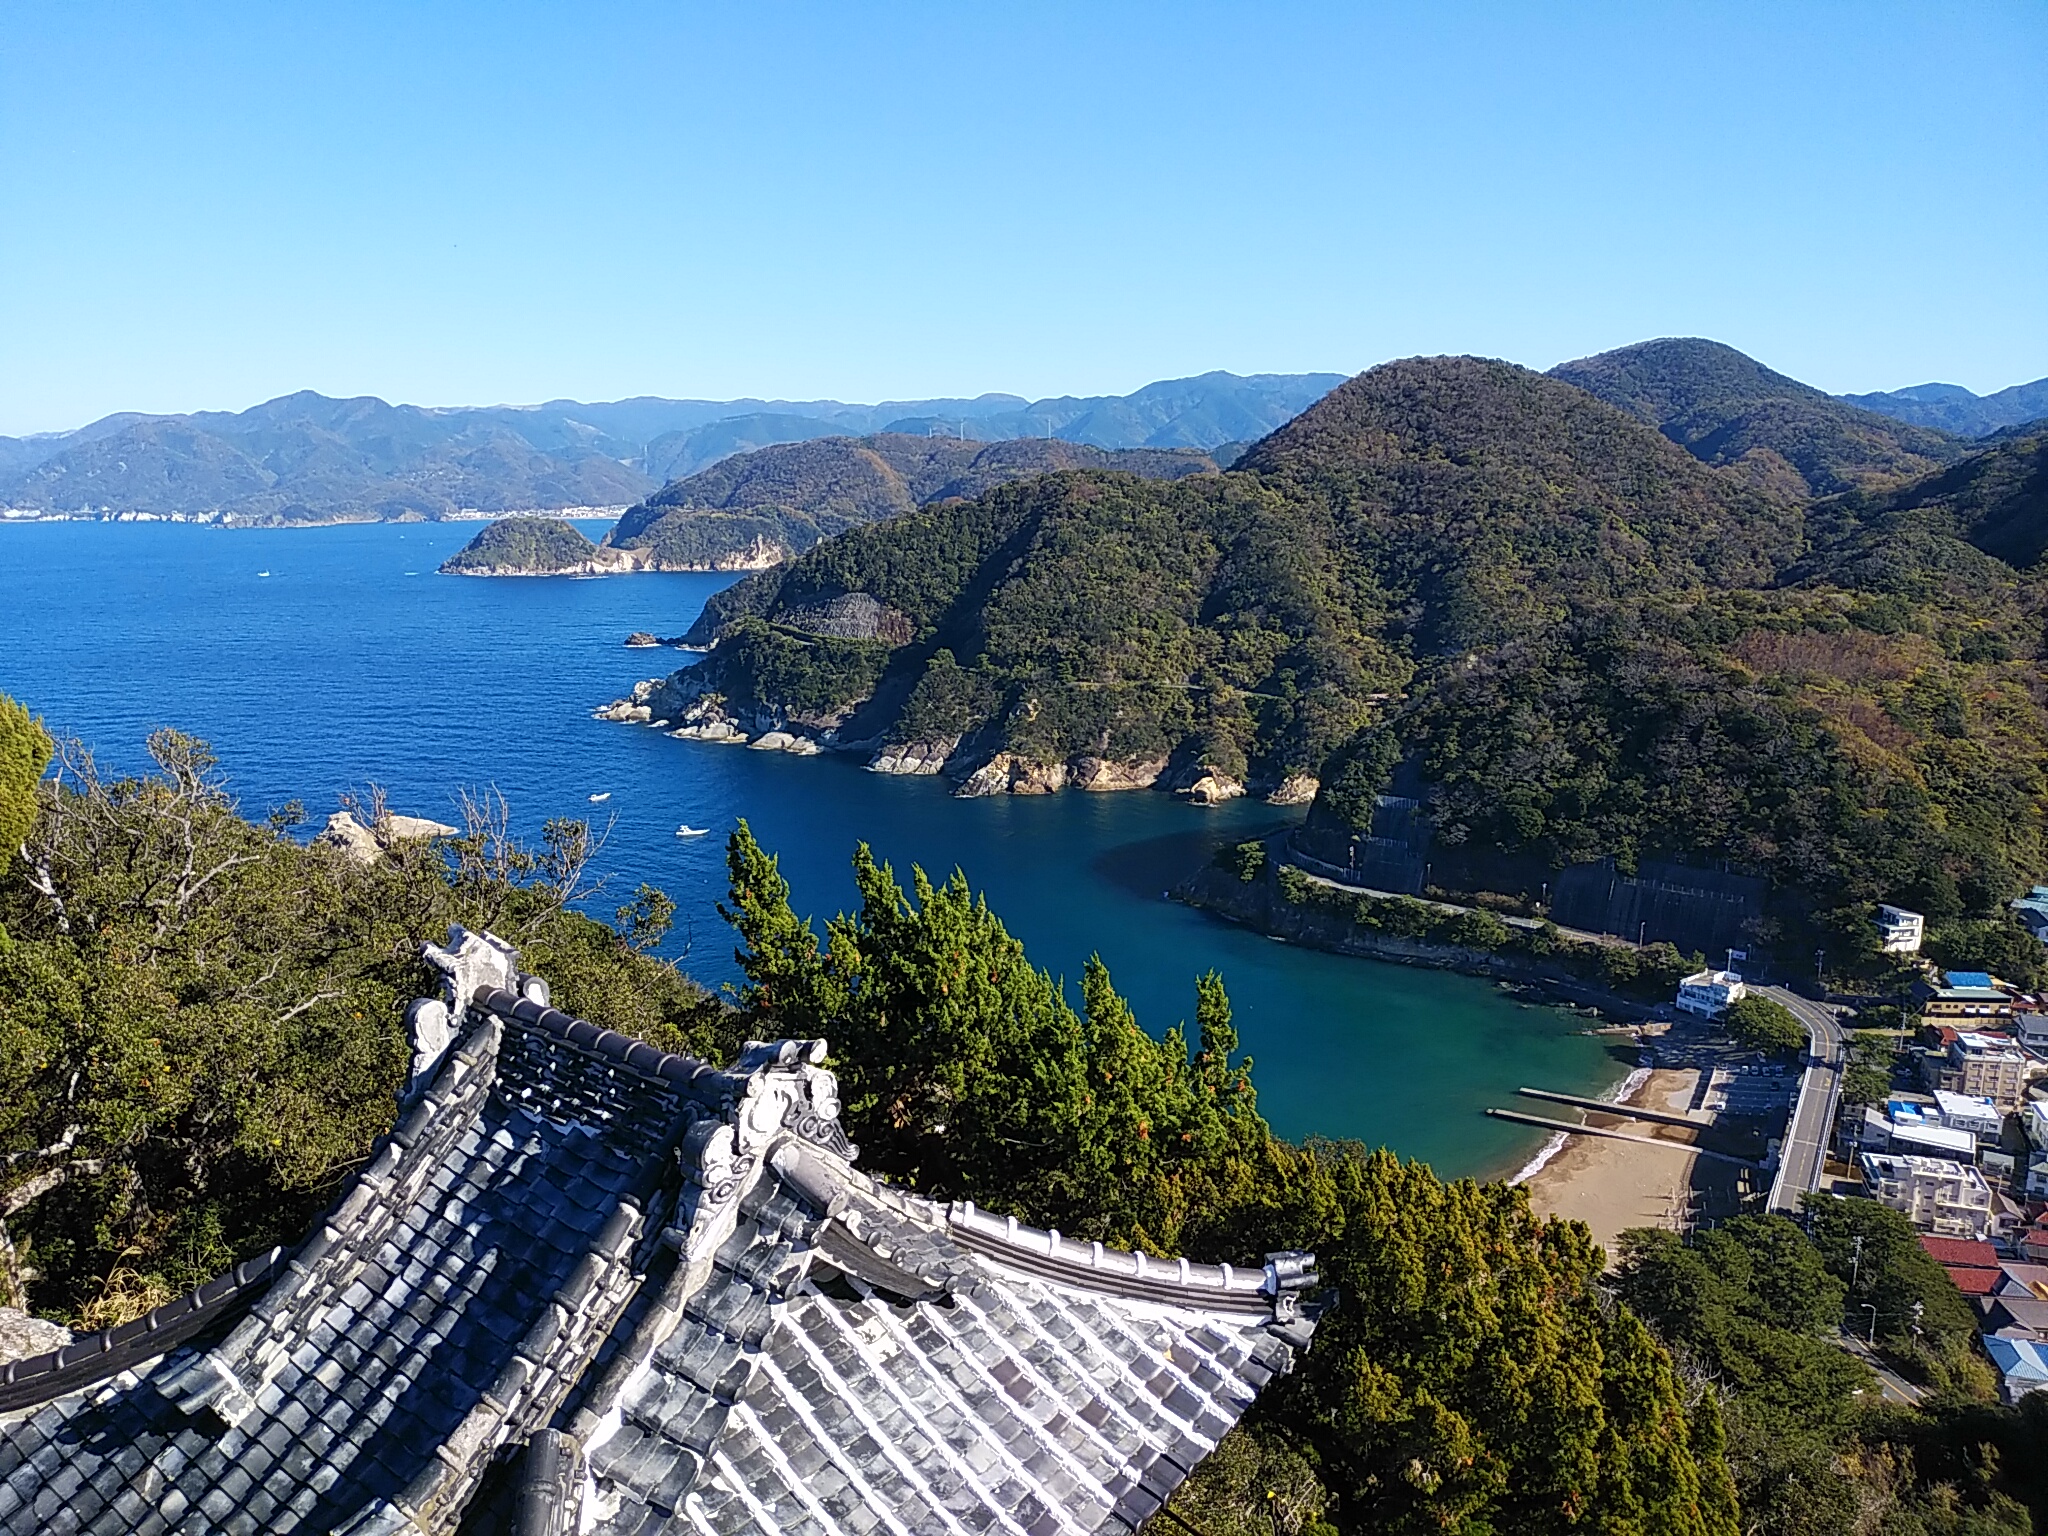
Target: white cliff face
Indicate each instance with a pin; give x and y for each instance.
(1008, 774)
(1295, 789)
(686, 706)
(1212, 789)
(1104, 773)
(914, 757)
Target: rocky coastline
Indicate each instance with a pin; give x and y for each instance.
(692, 711)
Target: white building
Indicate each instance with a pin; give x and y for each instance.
(1914, 1136)
(1969, 1112)
(2034, 1120)
(1948, 1199)
(1898, 931)
(1708, 993)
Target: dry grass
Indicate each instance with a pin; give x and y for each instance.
(1849, 656)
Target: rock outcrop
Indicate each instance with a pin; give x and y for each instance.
(367, 844)
(1211, 789)
(22, 1336)
(1008, 774)
(849, 616)
(1295, 789)
(914, 757)
(1105, 773)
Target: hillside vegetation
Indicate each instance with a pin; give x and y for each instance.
(1570, 637)
(767, 505)
(1773, 431)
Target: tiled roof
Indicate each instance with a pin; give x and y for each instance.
(586, 1285)
(1973, 1282)
(1960, 1251)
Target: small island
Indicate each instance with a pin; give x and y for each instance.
(533, 546)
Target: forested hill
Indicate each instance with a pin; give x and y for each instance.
(1729, 410)
(1996, 501)
(759, 507)
(525, 546)
(1571, 638)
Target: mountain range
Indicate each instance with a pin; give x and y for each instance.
(1952, 408)
(1593, 614)
(308, 458)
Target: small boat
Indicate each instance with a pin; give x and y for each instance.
(263, 573)
(600, 799)
(686, 830)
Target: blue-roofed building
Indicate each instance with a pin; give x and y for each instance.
(2022, 1362)
(2032, 910)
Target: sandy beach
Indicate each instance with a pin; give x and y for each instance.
(1613, 1185)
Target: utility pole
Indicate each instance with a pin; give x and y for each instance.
(1855, 1262)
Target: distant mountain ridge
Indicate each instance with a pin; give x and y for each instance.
(1952, 408)
(306, 457)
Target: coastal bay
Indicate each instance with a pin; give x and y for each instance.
(351, 663)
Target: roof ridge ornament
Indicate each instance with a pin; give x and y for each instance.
(471, 963)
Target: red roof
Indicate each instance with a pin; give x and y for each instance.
(1947, 1251)
(1973, 1282)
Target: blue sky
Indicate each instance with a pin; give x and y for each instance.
(202, 206)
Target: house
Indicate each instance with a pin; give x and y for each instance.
(2030, 1026)
(1972, 1265)
(586, 1285)
(1973, 1282)
(2023, 1280)
(2032, 910)
(1948, 1199)
(1965, 1112)
(1974, 996)
(2012, 1317)
(2021, 1362)
(1898, 931)
(2033, 1241)
(1709, 993)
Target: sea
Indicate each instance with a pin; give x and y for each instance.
(319, 661)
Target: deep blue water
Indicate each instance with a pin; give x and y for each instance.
(352, 663)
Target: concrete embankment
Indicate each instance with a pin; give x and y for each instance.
(1259, 904)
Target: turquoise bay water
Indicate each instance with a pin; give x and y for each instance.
(351, 663)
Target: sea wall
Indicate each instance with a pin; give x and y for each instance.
(1260, 903)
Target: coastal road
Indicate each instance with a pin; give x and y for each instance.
(1804, 1150)
(1891, 1386)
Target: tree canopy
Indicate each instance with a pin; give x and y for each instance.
(1764, 1024)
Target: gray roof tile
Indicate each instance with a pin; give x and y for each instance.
(967, 1394)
